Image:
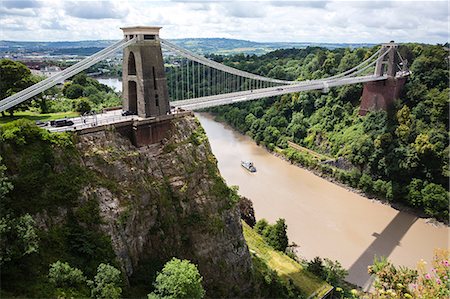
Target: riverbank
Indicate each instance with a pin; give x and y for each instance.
(395, 205)
(278, 152)
(325, 219)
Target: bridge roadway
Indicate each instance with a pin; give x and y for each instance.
(115, 116)
(243, 96)
(84, 122)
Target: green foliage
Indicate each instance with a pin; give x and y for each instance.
(261, 226)
(47, 177)
(330, 271)
(388, 149)
(83, 105)
(270, 284)
(62, 275)
(14, 76)
(392, 279)
(106, 283)
(275, 235)
(198, 136)
(17, 237)
(73, 91)
(178, 279)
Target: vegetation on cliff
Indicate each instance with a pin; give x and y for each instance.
(400, 155)
(74, 203)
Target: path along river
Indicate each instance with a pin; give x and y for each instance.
(324, 219)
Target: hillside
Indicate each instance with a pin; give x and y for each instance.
(97, 199)
(223, 46)
(399, 155)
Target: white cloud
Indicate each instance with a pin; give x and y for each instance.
(95, 10)
(315, 21)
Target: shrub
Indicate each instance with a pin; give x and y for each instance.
(275, 235)
(83, 105)
(365, 183)
(73, 91)
(178, 279)
(328, 270)
(106, 283)
(62, 275)
(17, 237)
(261, 225)
(316, 267)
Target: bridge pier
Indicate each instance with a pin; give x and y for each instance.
(379, 95)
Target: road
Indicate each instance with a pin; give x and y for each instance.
(83, 122)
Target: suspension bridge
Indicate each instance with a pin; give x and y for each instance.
(191, 81)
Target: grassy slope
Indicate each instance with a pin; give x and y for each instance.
(36, 116)
(286, 267)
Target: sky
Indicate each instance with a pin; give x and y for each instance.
(263, 21)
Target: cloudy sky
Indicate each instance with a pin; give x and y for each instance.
(311, 21)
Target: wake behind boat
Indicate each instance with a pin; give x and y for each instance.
(248, 165)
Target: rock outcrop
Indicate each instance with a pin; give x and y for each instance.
(166, 200)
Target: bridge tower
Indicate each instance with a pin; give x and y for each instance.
(144, 81)
(379, 95)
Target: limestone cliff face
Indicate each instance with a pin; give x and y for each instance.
(166, 200)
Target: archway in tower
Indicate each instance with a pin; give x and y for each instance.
(131, 64)
(132, 97)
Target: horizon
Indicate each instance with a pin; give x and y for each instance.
(187, 38)
(225, 38)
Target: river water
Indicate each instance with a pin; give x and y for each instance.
(114, 83)
(324, 219)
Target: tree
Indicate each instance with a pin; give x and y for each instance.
(14, 77)
(83, 105)
(17, 237)
(73, 91)
(277, 236)
(435, 200)
(17, 234)
(178, 279)
(106, 283)
(261, 226)
(62, 275)
(69, 282)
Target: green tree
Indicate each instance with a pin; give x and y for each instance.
(14, 76)
(62, 275)
(277, 236)
(178, 279)
(73, 91)
(17, 237)
(261, 226)
(69, 282)
(106, 283)
(435, 200)
(83, 105)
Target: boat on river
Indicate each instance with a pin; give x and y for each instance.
(248, 165)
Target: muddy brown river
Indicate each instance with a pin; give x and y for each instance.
(324, 219)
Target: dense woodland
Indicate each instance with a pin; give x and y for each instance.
(400, 155)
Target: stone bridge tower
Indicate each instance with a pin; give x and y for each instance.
(379, 95)
(143, 77)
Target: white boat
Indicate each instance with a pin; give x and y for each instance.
(248, 165)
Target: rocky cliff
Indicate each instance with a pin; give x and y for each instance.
(166, 200)
(153, 203)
